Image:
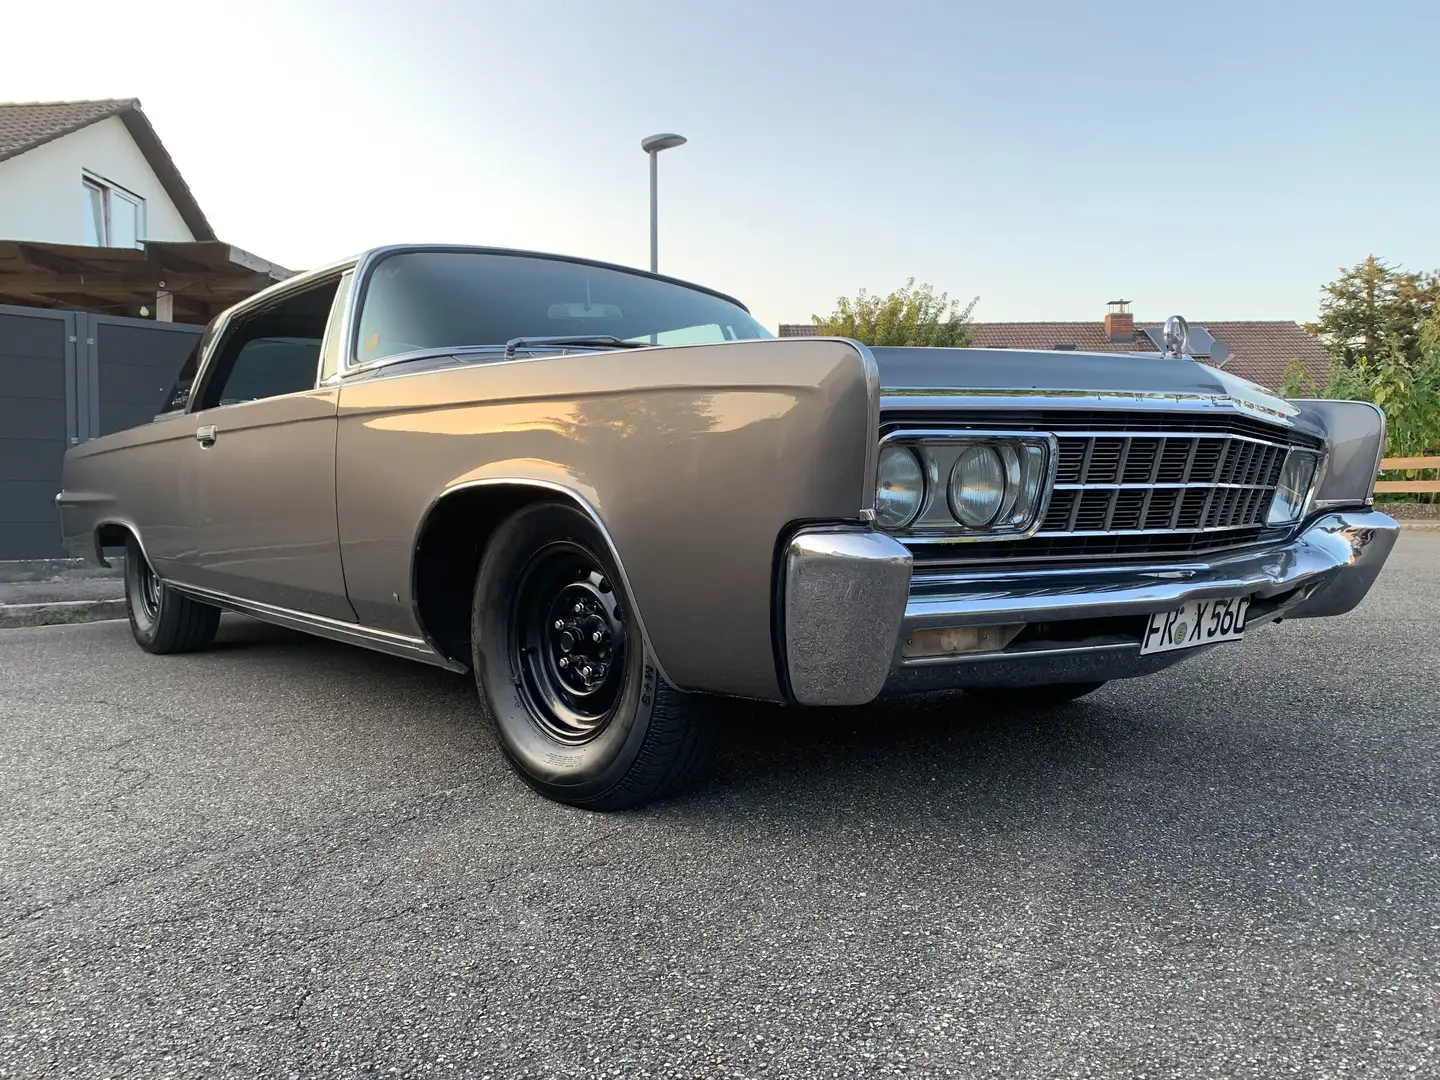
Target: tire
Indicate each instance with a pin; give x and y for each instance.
(583, 719)
(163, 620)
(1040, 696)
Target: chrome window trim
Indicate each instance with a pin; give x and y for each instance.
(321, 379)
(946, 534)
(264, 298)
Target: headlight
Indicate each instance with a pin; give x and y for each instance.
(998, 485)
(981, 484)
(1293, 491)
(985, 486)
(900, 489)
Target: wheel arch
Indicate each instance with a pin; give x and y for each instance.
(112, 533)
(452, 538)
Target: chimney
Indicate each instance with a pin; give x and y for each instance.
(1119, 321)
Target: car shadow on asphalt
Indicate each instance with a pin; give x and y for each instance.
(1132, 754)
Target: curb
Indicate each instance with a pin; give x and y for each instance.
(18, 570)
(60, 612)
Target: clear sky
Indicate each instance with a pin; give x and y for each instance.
(1218, 159)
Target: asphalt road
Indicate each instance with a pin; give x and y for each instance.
(290, 858)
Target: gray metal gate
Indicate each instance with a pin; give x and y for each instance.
(66, 377)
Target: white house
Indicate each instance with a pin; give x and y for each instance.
(93, 173)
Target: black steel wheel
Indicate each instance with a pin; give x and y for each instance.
(161, 619)
(581, 710)
(570, 641)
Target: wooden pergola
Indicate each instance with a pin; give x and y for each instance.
(187, 282)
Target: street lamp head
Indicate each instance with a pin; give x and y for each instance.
(655, 143)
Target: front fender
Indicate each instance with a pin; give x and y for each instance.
(697, 461)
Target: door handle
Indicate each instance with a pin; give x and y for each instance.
(205, 436)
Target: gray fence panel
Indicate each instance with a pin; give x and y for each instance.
(66, 377)
(37, 416)
(133, 368)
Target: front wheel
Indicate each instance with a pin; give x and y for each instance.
(581, 710)
(1052, 694)
(161, 619)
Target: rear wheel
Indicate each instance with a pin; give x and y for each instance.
(1053, 694)
(163, 620)
(580, 708)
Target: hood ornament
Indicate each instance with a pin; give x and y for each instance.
(1176, 336)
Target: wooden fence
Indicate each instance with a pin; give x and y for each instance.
(1419, 464)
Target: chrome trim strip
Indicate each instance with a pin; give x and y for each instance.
(1380, 453)
(1342, 551)
(899, 399)
(546, 485)
(1167, 531)
(1025, 650)
(871, 477)
(411, 648)
(1140, 485)
(1194, 436)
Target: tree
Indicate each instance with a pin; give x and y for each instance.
(1373, 313)
(908, 316)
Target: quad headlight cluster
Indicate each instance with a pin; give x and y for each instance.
(988, 485)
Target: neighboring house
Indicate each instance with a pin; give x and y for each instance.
(1260, 351)
(108, 271)
(93, 173)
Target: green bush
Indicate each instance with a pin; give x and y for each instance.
(1408, 393)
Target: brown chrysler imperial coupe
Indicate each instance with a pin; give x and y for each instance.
(617, 500)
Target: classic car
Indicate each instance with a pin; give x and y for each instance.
(616, 500)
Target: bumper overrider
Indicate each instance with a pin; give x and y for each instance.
(852, 599)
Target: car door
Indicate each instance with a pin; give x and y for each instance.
(261, 483)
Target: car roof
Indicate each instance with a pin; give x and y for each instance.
(373, 255)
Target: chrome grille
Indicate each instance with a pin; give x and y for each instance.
(1138, 484)
(1182, 482)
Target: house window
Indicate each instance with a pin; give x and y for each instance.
(114, 217)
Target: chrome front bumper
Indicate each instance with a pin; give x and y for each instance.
(852, 596)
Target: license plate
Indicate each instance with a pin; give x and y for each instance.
(1199, 622)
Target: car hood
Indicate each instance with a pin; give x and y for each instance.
(906, 372)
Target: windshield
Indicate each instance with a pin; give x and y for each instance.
(439, 299)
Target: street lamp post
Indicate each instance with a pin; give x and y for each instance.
(652, 146)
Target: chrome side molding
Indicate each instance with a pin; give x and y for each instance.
(410, 648)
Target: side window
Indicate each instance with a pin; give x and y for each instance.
(270, 352)
(179, 395)
(330, 351)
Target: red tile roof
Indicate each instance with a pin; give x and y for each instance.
(1259, 351)
(24, 125)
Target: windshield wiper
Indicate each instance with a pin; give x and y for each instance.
(572, 339)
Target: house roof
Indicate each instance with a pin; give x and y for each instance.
(1260, 351)
(26, 125)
